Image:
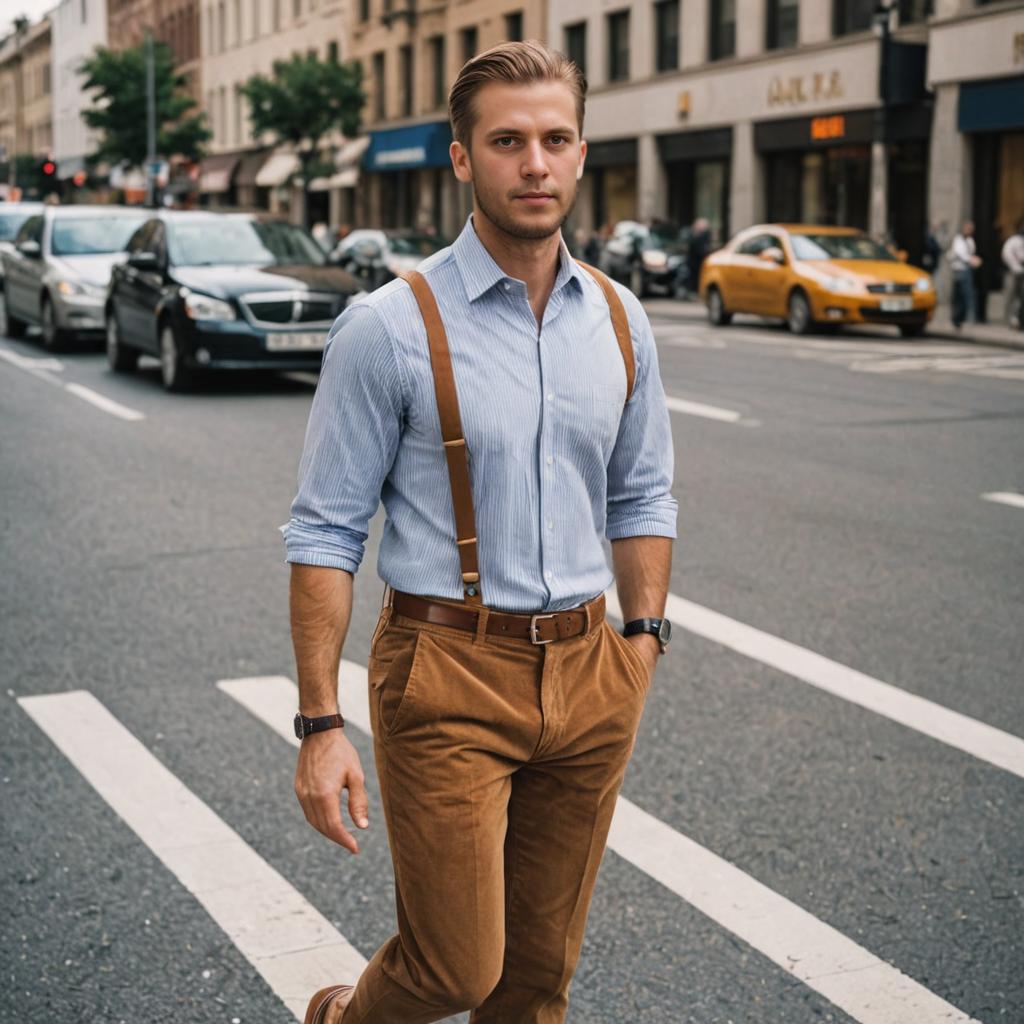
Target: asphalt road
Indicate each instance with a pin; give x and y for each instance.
(831, 495)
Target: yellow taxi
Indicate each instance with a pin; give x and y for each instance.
(815, 278)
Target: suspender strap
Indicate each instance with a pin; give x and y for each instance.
(619, 321)
(456, 453)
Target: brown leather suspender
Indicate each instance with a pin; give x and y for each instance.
(456, 453)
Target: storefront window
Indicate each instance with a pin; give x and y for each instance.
(828, 186)
(700, 189)
(614, 194)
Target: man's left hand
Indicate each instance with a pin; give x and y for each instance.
(649, 649)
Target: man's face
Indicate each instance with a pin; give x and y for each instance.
(525, 156)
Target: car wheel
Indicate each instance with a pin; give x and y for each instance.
(173, 372)
(799, 316)
(912, 330)
(55, 338)
(10, 326)
(120, 358)
(716, 308)
(638, 282)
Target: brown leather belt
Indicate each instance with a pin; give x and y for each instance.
(542, 628)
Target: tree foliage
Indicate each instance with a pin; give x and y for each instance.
(118, 80)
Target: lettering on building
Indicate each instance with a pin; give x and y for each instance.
(796, 89)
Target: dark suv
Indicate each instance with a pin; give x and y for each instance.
(222, 291)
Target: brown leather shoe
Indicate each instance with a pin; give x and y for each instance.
(315, 1012)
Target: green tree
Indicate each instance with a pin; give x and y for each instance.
(118, 80)
(303, 100)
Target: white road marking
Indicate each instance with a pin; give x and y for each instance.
(31, 363)
(104, 403)
(1005, 498)
(285, 938)
(858, 982)
(982, 741)
(302, 377)
(708, 412)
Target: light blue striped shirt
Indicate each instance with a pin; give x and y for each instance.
(556, 463)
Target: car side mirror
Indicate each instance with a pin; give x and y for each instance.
(144, 260)
(773, 254)
(30, 248)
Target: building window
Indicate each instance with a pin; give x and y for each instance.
(332, 51)
(222, 26)
(469, 43)
(618, 46)
(666, 35)
(238, 22)
(851, 16)
(46, 79)
(277, 15)
(379, 104)
(576, 44)
(782, 26)
(255, 19)
(722, 24)
(364, 10)
(914, 10)
(514, 26)
(222, 118)
(438, 93)
(85, 17)
(405, 73)
(239, 108)
(296, 8)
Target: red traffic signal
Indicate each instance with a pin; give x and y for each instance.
(49, 168)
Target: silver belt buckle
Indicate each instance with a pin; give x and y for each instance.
(534, 637)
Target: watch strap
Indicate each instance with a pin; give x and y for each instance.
(304, 725)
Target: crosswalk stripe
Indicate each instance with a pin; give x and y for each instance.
(982, 741)
(708, 412)
(286, 939)
(106, 404)
(858, 982)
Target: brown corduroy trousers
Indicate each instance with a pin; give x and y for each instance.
(499, 764)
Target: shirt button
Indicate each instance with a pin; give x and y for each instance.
(547, 575)
(551, 398)
(550, 459)
(551, 524)
(508, 287)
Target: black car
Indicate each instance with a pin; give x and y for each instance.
(214, 291)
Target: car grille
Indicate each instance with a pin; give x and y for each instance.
(889, 289)
(904, 317)
(288, 309)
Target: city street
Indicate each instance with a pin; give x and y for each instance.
(824, 815)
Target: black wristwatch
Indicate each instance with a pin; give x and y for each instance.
(661, 628)
(304, 725)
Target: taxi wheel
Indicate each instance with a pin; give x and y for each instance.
(716, 309)
(799, 317)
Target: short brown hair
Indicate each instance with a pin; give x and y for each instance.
(518, 64)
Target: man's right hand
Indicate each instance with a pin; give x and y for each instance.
(328, 763)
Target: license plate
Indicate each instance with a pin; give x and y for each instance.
(896, 305)
(296, 342)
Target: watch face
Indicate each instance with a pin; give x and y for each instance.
(298, 726)
(665, 631)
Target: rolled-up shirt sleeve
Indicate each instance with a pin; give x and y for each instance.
(640, 501)
(351, 440)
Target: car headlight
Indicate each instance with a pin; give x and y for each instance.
(923, 284)
(71, 288)
(843, 285)
(205, 307)
(654, 260)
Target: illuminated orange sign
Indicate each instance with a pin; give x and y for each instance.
(828, 127)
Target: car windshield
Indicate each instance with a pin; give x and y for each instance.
(664, 243)
(415, 245)
(240, 241)
(10, 223)
(83, 236)
(838, 247)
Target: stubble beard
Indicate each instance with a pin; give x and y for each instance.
(528, 232)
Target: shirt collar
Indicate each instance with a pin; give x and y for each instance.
(480, 273)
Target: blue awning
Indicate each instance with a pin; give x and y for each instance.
(991, 106)
(418, 145)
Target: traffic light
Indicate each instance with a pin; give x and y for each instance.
(49, 169)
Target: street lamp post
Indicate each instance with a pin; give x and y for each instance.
(150, 122)
(879, 212)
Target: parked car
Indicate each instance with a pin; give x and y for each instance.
(57, 273)
(647, 259)
(815, 277)
(376, 257)
(12, 216)
(214, 291)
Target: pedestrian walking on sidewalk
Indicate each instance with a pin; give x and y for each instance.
(505, 404)
(1013, 260)
(963, 261)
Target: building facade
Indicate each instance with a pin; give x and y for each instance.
(241, 38)
(79, 27)
(746, 110)
(411, 54)
(976, 70)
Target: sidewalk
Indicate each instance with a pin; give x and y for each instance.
(999, 335)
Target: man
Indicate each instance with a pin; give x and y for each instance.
(1013, 260)
(504, 706)
(963, 261)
